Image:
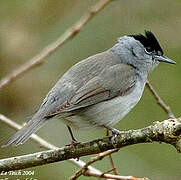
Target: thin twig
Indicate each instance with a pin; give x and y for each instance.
(167, 131)
(118, 177)
(111, 159)
(69, 33)
(84, 170)
(159, 100)
(108, 171)
(100, 156)
(45, 144)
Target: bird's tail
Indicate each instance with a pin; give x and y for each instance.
(25, 132)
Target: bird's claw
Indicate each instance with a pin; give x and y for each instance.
(115, 133)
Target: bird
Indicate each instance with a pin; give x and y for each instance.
(99, 90)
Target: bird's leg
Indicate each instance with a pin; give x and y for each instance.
(115, 133)
(74, 141)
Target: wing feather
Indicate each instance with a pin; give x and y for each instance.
(113, 81)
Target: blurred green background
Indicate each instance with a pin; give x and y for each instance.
(26, 27)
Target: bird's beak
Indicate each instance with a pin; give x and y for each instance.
(164, 59)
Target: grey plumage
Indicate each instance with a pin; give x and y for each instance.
(100, 90)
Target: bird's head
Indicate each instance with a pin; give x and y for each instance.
(141, 51)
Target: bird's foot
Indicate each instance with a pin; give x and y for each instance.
(115, 133)
(75, 142)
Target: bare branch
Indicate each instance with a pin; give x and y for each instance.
(117, 177)
(168, 131)
(159, 100)
(100, 156)
(47, 51)
(84, 170)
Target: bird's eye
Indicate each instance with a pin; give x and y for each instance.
(148, 50)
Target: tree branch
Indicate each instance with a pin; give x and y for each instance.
(168, 131)
(69, 33)
(159, 100)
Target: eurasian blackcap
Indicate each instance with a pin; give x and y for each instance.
(100, 90)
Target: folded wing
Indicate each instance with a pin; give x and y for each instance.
(113, 81)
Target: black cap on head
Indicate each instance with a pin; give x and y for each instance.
(149, 41)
